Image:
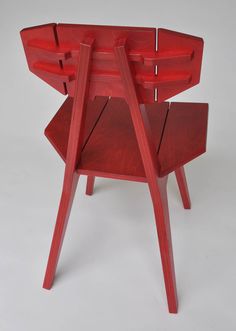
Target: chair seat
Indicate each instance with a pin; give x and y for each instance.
(110, 147)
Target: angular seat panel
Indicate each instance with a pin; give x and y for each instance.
(58, 129)
(110, 145)
(113, 147)
(184, 136)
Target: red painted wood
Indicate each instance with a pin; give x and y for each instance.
(183, 187)
(105, 78)
(184, 137)
(90, 185)
(137, 139)
(112, 150)
(73, 154)
(157, 186)
(53, 50)
(67, 196)
(46, 35)
(58, 129)
(171, 41)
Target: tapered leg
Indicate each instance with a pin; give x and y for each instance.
(90, 185)
(67, 196)
(158, 192)
(74, 148)
(183, 187)
(157, 186)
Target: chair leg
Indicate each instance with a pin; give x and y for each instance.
(158, 192)
(67, 196)
(157, 186)
(183, 187)
(74, 148)
(90, 185)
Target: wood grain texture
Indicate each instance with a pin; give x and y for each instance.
(53, 51)
(115, 122)
(184, 137)
(183, 187)
(75, 143)
(169, 41)
(178, 135)
(90, 185)
(113, 147)
(57, 131)
(157, 186)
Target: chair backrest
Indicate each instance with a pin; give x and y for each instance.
(164, 63)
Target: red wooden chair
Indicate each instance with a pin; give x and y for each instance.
(114, 122)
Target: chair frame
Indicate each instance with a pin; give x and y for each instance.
(157, 183)
(157, 186)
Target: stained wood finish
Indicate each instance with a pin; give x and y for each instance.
(53, 50)
(73, 154)
(183, 187)
(58, 129)
(113, 148)
(90, 185)
(156, 185)
(67, 196)
(169, 40)
(126, 130)
(184, 137)
(178, 132)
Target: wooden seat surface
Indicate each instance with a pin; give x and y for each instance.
(110, 147)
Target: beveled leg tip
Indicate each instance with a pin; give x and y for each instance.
(173, 306)
(173, 310)
(187, 206)
(47, 286)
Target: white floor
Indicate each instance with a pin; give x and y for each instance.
(109, 275)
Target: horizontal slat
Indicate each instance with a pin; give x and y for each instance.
(147, 58)
(49, 49)
(164, 57)
(67, 74)
(52, 53)
(151, 82)
(55, 71)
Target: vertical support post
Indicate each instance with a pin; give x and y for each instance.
(183, 187)
(90, 185)
(73, 154)
(157, 186)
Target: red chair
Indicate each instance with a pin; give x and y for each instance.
(114, 122)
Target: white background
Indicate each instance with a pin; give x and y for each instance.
(109, 275)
